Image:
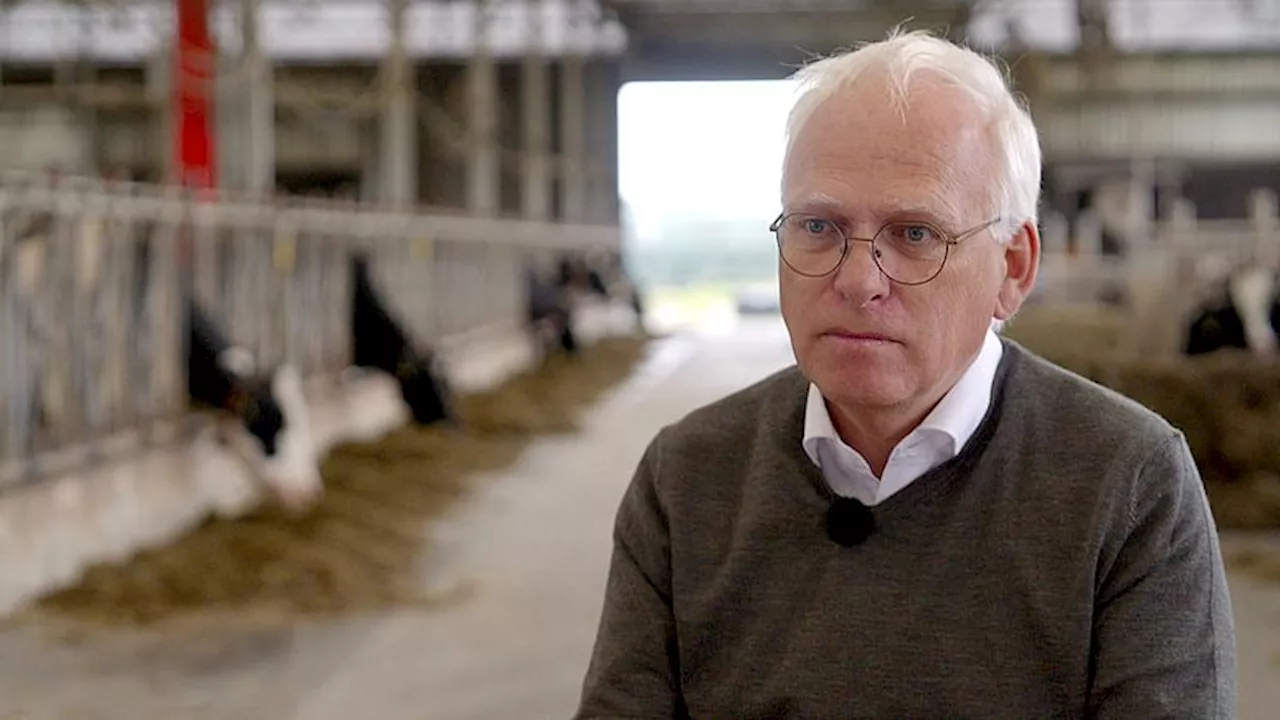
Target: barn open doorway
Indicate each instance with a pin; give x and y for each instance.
(699, 171)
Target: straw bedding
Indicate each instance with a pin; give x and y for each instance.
(358, 550)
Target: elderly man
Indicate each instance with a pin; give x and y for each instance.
(920, 520)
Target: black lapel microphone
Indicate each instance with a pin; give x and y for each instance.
(849, 522)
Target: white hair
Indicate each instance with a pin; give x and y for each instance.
(1016, 190)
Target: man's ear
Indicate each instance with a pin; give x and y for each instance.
(1022, 266)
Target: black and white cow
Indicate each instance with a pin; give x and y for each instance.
(379, 342)
(1244, 315)
(550, 314)
(264, 418)
(604, 278)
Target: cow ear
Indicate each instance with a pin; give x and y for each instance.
(238, 361)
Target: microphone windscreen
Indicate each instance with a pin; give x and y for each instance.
(849, 522)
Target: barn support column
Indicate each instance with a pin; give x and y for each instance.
(259, 118)
(573, 193)
(397, 140)
(1096, 48)
(193, 93)
(79, 74)
(246, 111)
(230, 116)
(483, 170)
(603, 80)
(535, 181)
(159, 78)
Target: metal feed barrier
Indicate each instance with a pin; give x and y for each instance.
(1160, 282)
(91, 358)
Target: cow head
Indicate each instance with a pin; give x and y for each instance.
(276, 441)
(424, 389)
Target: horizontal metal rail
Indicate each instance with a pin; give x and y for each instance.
(91, 281)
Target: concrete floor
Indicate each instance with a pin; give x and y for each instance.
(528, 554)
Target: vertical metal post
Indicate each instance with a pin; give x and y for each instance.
(601, 162)
(159, 81)
(535, 176)
(258, 114)
(482, 114)
(194, 73)
(398, 139)
(84, 75)
(1093, 22)
(572, 139)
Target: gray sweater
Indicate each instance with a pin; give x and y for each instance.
(1063, 565)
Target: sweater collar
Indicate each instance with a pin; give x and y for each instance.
(785, 420)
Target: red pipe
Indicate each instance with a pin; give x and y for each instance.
(195, 71)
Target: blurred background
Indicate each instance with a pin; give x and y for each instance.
(331, 331)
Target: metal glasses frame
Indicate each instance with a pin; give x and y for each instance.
(948, 240)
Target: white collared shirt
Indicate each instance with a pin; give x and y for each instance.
(941, 435)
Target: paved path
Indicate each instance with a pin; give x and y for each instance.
(529, 551)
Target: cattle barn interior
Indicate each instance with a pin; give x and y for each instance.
(332, 333)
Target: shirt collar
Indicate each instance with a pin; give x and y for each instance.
(956, 417)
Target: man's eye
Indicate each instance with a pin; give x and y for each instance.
(913, 234)
(816, 226)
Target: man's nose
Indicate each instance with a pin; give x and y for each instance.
(859, 279)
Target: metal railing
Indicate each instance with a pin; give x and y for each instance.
(91, 276)
(1159, 282)
(1075, 255)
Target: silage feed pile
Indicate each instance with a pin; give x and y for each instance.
(358, 550)
(1227, 404)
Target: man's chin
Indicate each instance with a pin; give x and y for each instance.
(863, 398)
(868, 387)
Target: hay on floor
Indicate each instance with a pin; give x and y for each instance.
(358, 550)
(1227, 403)
(1262, 564)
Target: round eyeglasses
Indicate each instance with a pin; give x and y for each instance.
(908, 252)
